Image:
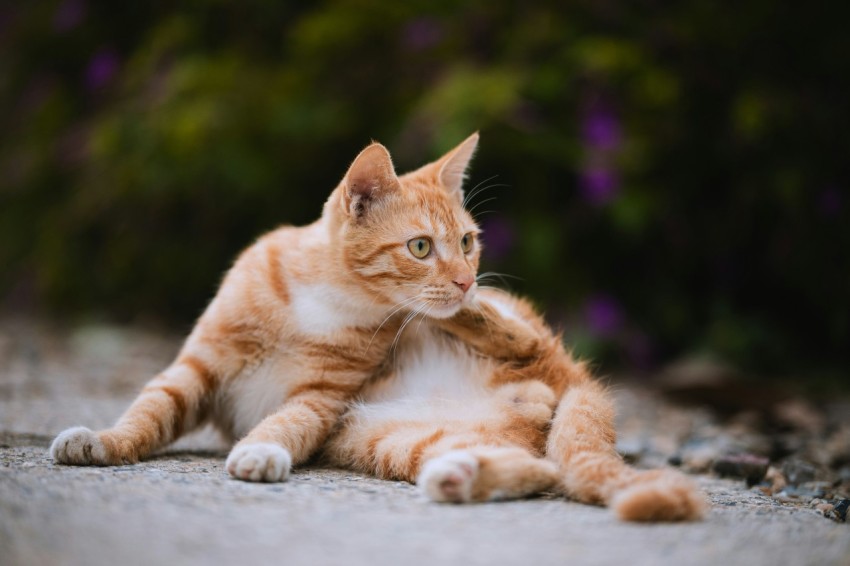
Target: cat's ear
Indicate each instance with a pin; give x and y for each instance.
(370, 177)
(451, 168)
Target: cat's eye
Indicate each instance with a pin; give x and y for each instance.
(419, 247)
(466, 242)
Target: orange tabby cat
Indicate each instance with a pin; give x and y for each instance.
(476, 401)
(303, 318)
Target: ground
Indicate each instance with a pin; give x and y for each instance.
(182, 508)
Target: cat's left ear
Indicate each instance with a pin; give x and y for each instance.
(451, 168)
(369, 179)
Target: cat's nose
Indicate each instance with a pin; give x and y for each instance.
(464, 281)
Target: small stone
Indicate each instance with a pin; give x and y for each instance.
(809, 491)
(776, 479)
(825, 509)
(746, 466)
(631, 449)
(840, 509)
(698, 455)
(785, 497)
(798, 471)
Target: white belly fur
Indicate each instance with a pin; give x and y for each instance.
(436, 379)
(251, 398)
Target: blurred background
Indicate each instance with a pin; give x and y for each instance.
(668, 180)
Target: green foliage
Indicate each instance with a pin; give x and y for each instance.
(675, 181)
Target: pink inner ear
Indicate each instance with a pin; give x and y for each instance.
(370, 176)
(370, 170)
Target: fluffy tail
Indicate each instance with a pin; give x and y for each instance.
(581, 442)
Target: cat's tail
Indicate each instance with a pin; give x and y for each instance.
(581, 442)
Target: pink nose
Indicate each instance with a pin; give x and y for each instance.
(464, 282)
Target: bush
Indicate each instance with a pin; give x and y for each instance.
(667, 182)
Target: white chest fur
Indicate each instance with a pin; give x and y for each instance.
(322, 309)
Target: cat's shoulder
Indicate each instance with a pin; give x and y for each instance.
(507, 304)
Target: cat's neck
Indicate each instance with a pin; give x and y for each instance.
(324, 285)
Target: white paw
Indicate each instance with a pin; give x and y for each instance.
(449, 477)
(259, 462)
(78, 446)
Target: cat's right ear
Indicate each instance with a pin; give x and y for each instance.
(370, 177)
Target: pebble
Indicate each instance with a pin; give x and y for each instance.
(825, 508)
(746, 466)
(697, 456)
(630, 449)
(776, 479)
(840, 509)
(798, 471)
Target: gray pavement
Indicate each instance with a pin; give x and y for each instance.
(181, 507)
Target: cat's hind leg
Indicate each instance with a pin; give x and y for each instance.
(453, 462)
(485, 473)
(173, 402)
(581, 442)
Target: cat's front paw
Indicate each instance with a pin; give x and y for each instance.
(450, 477)
(78, 446)
(259, 462)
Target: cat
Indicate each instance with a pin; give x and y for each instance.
(304, 317)
(304, 349)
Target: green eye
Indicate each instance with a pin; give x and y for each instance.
(419, 247)
(466, 242)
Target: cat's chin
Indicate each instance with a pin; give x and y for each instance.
(445, 311)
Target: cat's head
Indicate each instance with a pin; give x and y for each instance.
(408, 239)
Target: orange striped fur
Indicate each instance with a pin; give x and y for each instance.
(337, 336)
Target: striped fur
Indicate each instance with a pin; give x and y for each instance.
(488, 405)
(334, 335)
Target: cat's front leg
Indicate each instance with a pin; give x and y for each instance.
(498, 326)
(173, 402)
(290, 435)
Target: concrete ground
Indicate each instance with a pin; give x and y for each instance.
(182, 508)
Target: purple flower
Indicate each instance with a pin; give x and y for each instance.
(422, 33)
(499, 237)
(830, 202)
(69, 15)
(599, 185)
(600, 128)
(603, 315)
(102, 68)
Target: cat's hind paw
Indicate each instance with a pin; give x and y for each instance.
(78, 446)
(450, 477)
(262, 461)
(670, 496)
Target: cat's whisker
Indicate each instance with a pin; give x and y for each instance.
(498, 274)
(410, 316)
(398, 306)
(430, 307)
(479, 203)
(474, 190)
(481, 190)
(485, 317)
(489, 276)
(481, 213)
